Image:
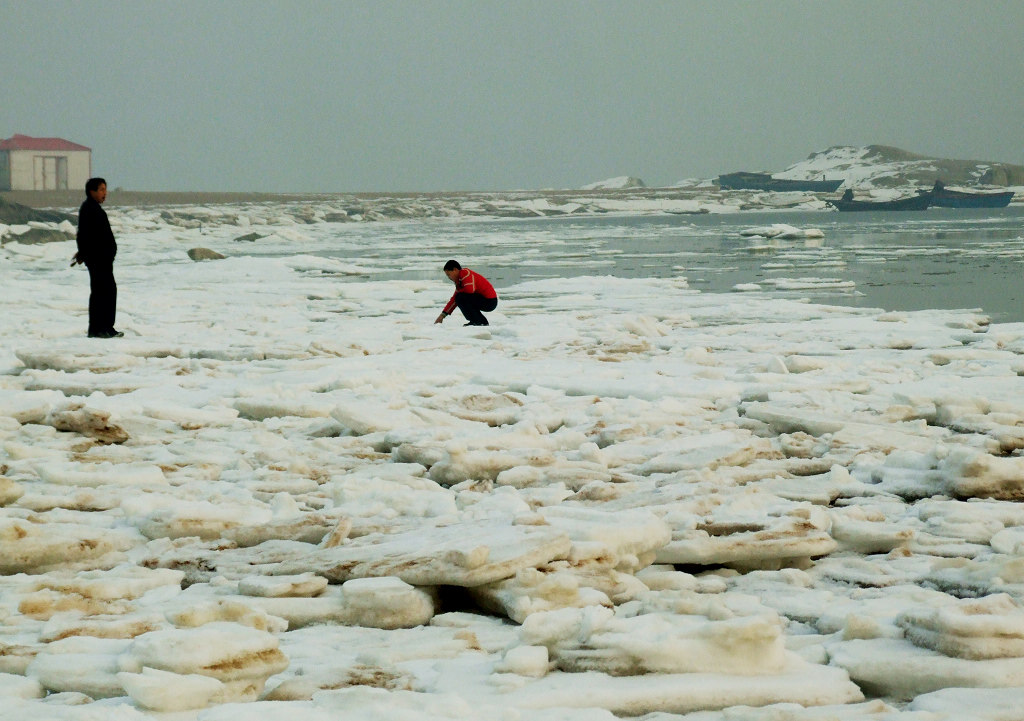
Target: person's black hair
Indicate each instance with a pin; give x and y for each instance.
(93, 184)
(452, 265)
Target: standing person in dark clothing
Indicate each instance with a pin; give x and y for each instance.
(473, 294)
(97, 248)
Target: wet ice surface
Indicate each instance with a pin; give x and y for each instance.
(286, 488)
(898, 261)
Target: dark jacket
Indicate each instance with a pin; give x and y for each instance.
(95, 238)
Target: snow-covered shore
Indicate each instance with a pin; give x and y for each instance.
(209, 210)
(286, 488)
(875, 171)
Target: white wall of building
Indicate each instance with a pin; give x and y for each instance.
(49, 169)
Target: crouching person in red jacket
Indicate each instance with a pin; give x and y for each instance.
(473, 294)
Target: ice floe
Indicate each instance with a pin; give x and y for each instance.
(286, 493)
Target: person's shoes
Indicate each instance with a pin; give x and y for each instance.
(107, 334)
(484, 323)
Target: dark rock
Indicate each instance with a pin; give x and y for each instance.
(181, 219)
(37, 236)
(204, 254)
(306, 216)
(250, 238)
(1003, 174)
(18, 214)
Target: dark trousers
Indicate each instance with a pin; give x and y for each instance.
(102, 297)
(471, 305)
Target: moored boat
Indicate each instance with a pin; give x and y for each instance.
(944, 197)
(914, 202)
(763, 181)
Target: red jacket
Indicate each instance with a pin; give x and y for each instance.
(470, 282)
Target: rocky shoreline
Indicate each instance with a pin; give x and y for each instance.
(139, 198)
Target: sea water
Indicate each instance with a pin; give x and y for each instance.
(939, 258)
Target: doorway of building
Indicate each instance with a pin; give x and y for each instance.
(50, 172)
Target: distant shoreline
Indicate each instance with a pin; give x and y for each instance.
(139, 198)
(135, 198)
(491, 201)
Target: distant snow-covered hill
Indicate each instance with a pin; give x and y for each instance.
(882, 166)
(624, 181)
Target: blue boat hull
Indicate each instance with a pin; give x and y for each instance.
(979, 200)
(914, 202)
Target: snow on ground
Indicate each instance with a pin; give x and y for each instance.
(877, 169)
(285, 493)
(845, 162)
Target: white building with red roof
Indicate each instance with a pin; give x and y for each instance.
(43, 164)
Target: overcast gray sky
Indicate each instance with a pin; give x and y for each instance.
(422, 95)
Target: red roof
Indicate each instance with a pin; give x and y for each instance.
(24, 142)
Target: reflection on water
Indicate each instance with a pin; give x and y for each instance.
(939, 258)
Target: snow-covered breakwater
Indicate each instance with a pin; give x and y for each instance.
(625, 496)
(193, 210)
